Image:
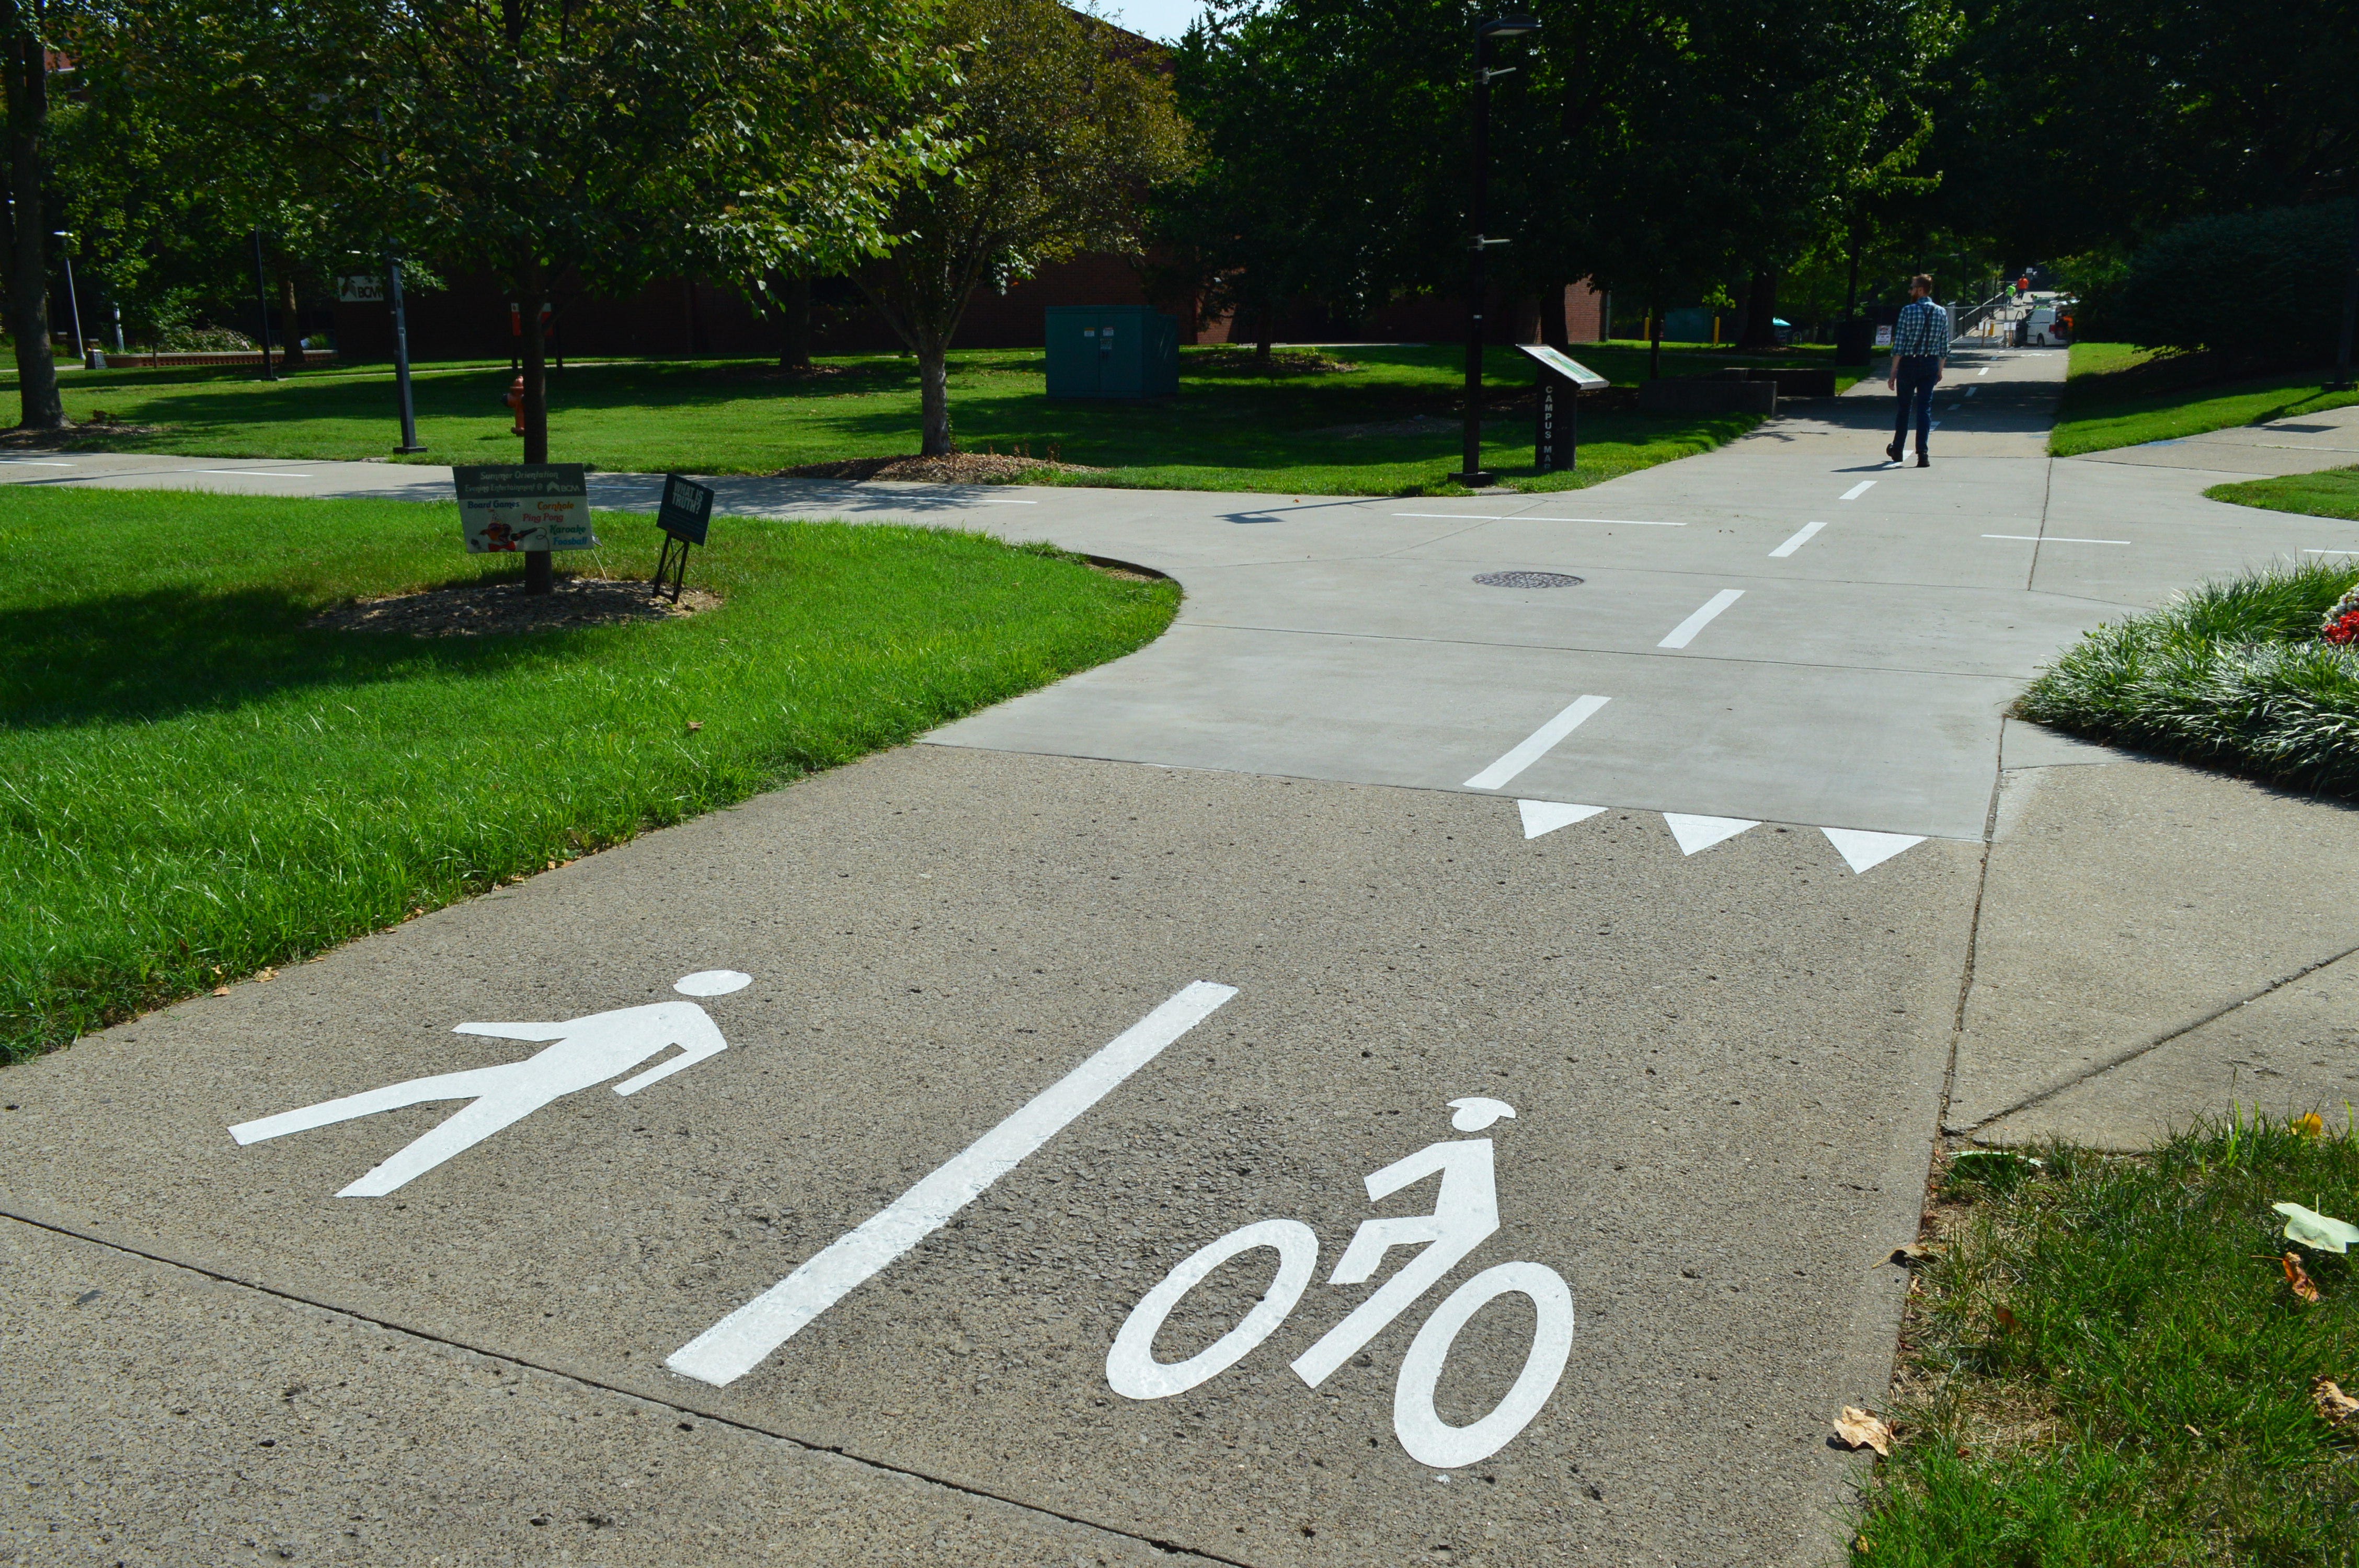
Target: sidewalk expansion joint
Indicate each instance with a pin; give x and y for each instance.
(737, 1423)
(2100, 1069)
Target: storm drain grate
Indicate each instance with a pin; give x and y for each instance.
(1526, 580)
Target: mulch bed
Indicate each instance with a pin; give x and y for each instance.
(71, 438)
(504, 609)
(957, 468)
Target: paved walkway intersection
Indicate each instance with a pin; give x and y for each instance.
(1402, 1069)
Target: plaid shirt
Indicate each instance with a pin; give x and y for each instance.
(1923, 330)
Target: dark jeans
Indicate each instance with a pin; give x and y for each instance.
(1915, 384)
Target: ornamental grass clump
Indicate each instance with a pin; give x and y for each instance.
(2257, 673)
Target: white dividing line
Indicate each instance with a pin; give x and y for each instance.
(2054, 540)
(1855, 491)
(1798, 541)
(33, 464)
(1537, 744)
(1684, 632)
(997, 500)
(264, 473)
(1971, 390)
(1984, 371)
(1528, 517)
(738, 1343)
(2330, 552)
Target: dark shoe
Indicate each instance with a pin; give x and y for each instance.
(1893, 451)
(1923, 461)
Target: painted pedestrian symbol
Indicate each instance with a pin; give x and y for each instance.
(1465, 1215)
(585, 1051)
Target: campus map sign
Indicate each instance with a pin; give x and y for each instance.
(524, 506)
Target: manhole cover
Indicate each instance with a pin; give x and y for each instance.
(1526, 580)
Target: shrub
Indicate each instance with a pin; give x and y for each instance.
(2271, 278)
(203, 340)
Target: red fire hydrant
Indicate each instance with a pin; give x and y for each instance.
(515, 400)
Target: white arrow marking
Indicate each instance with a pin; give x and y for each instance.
(738, 1343)
(1699, 833)
(1547, 816)
(1862, 850)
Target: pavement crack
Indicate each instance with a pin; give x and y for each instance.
(738, 1424)
(2133, 1053)
(1610, 652)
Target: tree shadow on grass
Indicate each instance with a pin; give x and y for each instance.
(156, 656)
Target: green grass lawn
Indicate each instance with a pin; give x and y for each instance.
(195, 784)
(2116, 395)
(1227, 429)
(2233, 674)
(2332, 493)
(2107, 1368)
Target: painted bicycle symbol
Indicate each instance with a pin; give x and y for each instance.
(1464, 1217)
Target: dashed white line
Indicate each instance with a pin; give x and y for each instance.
(1537, 744)
(33, 464)
(738, 1343)
(1684, 632)
(998, 501)
(1855, 491)
(1798, 541)
(2054, 540)
(2330, 552)
(259, 473)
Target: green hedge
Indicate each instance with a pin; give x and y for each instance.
(2269, 280)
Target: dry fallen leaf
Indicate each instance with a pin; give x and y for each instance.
(2296, 1278)
(2309, 1126)
(220, 990)
(2331, 1401)
(695, 724)
(266, 976)
(2323, 1232)
(1857, 1429)
(2008, 1319)
(1917, 1253)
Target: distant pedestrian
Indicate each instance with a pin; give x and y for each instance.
(1920, 349)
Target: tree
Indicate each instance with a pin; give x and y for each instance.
(569, 146)
(24, 77)
(2095, 127)
(1064, 123)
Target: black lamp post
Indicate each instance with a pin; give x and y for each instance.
(74, 300)
(1472, 475)
(262, 302)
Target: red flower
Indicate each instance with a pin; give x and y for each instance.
(2344, 629)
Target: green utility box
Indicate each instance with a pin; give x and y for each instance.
(1113, 350)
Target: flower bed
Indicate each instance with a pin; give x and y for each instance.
(2259, 673)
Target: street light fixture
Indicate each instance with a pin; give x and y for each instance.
(73, 304)
(1472, 474)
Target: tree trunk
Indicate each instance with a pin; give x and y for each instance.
(1653, 340)
(293, 340)
(1555, 330)
(934, 394)
(27, 86)
(795, 314)
(1266, 331)
(1760, 313)
(1850, 294)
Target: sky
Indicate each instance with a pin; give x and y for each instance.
(1164, 19)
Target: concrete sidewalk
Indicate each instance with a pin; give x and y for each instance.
(1733, 945)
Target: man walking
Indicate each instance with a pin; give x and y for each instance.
(1921, 346)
